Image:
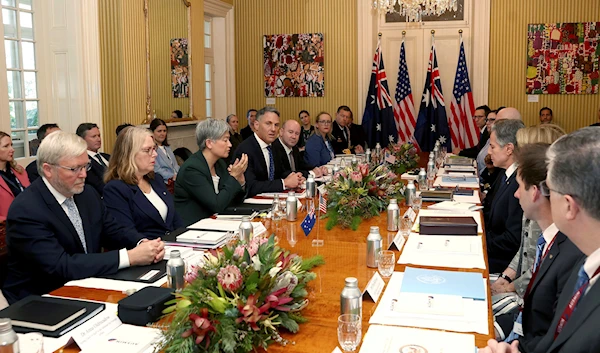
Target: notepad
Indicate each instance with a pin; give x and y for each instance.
(54, 316)
(202, 237)
(463, 284)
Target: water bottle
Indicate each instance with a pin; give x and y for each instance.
(175, 271)
(246, 230)
(393, 215)
(368, 155)
(351, 298)
(430, 168)
(291, 207)
(410, 192)
(311, 186)
(422, 177)
(336, 168)
(354, 161)
(378, 153)
(436, 152)
(374, 243)
(276, 212)
(9, 341)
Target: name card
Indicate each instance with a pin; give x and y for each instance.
(411, 214)
(398, 242)
(100, 325)
(336, 350)
(374, 288)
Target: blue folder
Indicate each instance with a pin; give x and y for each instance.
(464, 284)
(459, 179)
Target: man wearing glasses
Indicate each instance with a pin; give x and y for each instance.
(480, 117)
(58, 227)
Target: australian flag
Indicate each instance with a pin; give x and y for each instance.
(432, 123)
(378, 119)
(309, 221)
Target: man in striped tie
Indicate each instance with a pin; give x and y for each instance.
(573, 166)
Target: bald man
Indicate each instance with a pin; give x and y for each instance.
(286, 144)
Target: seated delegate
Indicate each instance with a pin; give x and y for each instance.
(58, 227)
(13, 178)
(319, 150)
(166, 164)
(135, 195)
(205, 184)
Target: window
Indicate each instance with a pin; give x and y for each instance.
(209, 68)
(21, 73)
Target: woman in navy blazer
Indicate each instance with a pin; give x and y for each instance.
(133, 194)
(166, 164)
(318, 150)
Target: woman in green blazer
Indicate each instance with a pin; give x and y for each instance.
(205, 184)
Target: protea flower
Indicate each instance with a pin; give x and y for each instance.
(356, 176)
(201, 327)
(230, 278)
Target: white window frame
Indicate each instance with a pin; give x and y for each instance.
(209, 59)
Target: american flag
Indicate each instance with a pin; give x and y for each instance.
(378, 118)
(432, 123)
(464, 130)
(322, 204)
(309, 221)
(404, 108)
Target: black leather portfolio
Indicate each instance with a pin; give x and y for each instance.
(145, 274)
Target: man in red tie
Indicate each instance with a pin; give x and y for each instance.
(573, 166)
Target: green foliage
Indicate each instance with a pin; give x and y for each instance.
(288, 323)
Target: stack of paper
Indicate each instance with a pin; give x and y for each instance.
(460, 181)
(454, 206)
(475, 198)
(466, 171)
(213, 239)
(443, 251)
(432, 310)
(389, 339)
(436, 213)
(282, 195)
(216, 224)
(114, 284)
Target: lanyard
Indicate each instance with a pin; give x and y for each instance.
(534, 274)
(572, 304)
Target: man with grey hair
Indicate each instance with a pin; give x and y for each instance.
(573, 169)
(58, 226)
(264, 173)
(503, 214)
(502, 113)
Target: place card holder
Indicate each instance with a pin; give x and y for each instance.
(397, 243)
(374, 288)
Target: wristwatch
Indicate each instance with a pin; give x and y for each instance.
(508, 279)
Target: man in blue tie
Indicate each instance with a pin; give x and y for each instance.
(555, 255)
(58, 229)
(264, 173)
(503, 214)
(573, 169)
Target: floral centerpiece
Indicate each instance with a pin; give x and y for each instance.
(239, 299)
(402, 157)
(357, 193)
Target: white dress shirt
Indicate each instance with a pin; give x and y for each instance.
(510, 170)
(263, 146)
(158, 203)
(590, 265)
(288, 154)
(96, 155)
(60, 198)
(549, 234)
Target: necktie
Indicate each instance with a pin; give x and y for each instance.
(347, 134)
(292, 162)
(583, 280)
(99, 158)
(271, 164)
(75, 218)
(539, 251)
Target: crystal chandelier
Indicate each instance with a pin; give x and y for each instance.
(414, 10)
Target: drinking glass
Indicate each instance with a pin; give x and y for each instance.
(278, 210)
(405, 226)
(417, 202)
(349, 331)
(423, 184)
(386, 262)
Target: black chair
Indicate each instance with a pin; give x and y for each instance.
(182, 154)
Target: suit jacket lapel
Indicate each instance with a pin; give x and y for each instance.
(502, 187)
(58, 211)
(145, 205)
(5, 186)
(86, 222)
(549, 260)
(263, 163)
(162, 193)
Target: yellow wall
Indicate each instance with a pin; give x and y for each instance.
(123, 63)
(336, 19)
(508, 55)
(167, 19)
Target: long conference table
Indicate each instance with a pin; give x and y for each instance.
(345, 254)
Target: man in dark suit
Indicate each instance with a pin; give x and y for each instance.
(358, 139)
(555, 255)
(58, 227)
(480, 117)
(290, 153)
(234, 136)
(264, 174)
(42, 132)
(503, 214)
(572, 176)
(249, 130)
(340, 130)
(91, 134)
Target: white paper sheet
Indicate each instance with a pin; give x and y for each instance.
(461, 171)
(443, 251)
(216, 224)
(475, 198)
(281, 195)
(461, 184)
(474, 319)
(389, 339)
(407, 176)
(113, 284)
(454, 206)
(436, 213)
(257, 201)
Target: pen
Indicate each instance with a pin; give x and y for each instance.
(447, 242)
(429, 301)
(419, 245)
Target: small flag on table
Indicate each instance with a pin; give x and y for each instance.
(309, 221)
(322, 204)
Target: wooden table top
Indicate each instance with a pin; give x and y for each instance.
(344, 252)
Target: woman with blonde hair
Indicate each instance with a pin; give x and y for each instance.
(546, 133)
(319, 150)
(134, 194)
(13, 178)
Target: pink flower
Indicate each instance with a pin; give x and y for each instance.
(252, 249)
(230, 278)
(192, 274)
(344, 174)
(364, 169)
(356, 177)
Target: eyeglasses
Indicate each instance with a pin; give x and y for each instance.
(491, 120)
(76, 170)
(149, 150)
(545, 190)
(478, 116)
(324, 122)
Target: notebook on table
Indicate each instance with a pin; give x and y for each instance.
(51, 316)
(145, 274)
